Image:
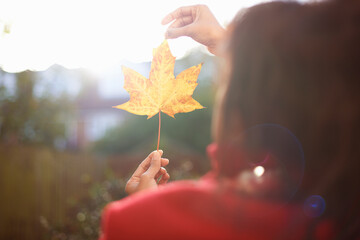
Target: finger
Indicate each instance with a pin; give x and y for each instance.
(177, 32)
(130, 187)
(144, 165)
(180, 12)
(181, 22)
(155, 164)
(160, 172)
(164, 162)
(164, 179)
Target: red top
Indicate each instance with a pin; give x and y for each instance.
(201, 210)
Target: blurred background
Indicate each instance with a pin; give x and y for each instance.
(64, 151)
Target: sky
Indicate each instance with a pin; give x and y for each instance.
(92, 34)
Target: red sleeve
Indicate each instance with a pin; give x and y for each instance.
(104, 223)
(120, 218)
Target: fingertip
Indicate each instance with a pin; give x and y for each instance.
(164, 178)
(172, 33)
(155, 157)
(166, 34)
(165, 20)
(157, 153)
(169, 34)
(164, 161)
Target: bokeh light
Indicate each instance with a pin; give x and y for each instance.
(268, 160)
(259, 171)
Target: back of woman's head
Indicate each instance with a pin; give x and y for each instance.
(299, 66)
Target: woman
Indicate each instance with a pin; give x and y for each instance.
(286, 63)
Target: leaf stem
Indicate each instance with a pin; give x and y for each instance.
(159, 131)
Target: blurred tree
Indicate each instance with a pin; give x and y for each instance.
(26, 118)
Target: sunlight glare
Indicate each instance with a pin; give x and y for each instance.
(92, 34)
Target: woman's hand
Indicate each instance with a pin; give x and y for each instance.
(196, 22)
(148, 173)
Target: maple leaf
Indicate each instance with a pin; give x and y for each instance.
(161, 92)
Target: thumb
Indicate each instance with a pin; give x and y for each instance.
(177, 32)
(155, 164)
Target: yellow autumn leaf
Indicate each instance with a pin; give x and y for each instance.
(162, 91)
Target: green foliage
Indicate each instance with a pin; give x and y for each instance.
(26, 118)
(85, 215)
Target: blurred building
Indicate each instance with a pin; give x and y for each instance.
(93, 117)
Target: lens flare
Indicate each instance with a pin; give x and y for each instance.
(276, 149)
(314, 206)
(269, 147)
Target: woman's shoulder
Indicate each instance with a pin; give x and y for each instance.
(188, 208)
(172, 205)
(178, 190)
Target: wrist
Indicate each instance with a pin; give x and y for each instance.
(217, 35)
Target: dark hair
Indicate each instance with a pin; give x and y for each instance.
(298, 65)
